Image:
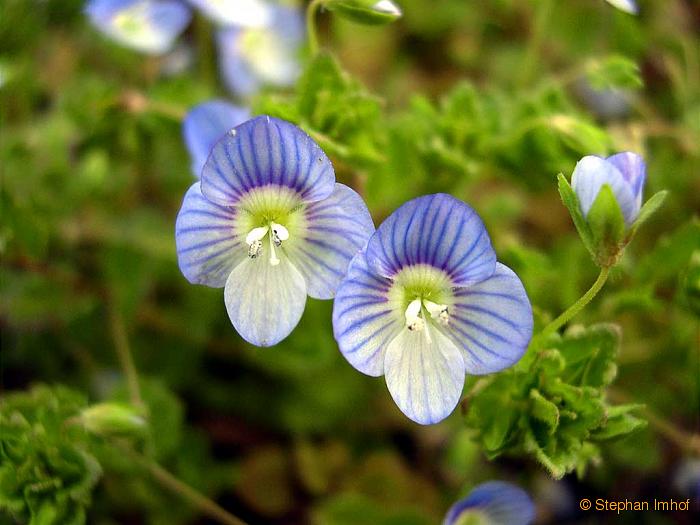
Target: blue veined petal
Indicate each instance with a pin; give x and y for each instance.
(208, 247)
(150, 26)
(491, 322)
(337, 228)
(363, 321)
(498, 502)
(634, 171)
(254, 57)
(265, 302)
(590, 174)
(204, 124)
(425, 377)
(438, 230)
(628, 6)
(266, 151)
(247, 13)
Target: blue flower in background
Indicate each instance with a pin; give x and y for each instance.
(150, 26)
(206, 123)
(628, 6)
(248, 13)
(426, 302)
(493, 503)
(251, 58)
(625, 173)
(269, 223)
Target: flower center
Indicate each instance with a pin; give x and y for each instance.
(423, 294)
(276, 234)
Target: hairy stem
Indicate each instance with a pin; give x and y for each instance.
(198, 500)
(575, 308)
(126, 361)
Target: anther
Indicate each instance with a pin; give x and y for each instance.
(254, 249)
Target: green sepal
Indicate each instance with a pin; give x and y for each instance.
(650, 207)
(109, 419)
(607, 226)
(365, 11)
(570, 200)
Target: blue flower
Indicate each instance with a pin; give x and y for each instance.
(251, 58)
(426, 302)
(493, 503)
(248, 13)
(628, 6)
(269, 223)
(150, 26)
(206, 123)
(625, 173)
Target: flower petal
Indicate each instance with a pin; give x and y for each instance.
(628, 6)
(266, 151)
(207, 246)
(425, 378)
(363, 321)
(150, 26)
(248, 13)
(499, 502)
(336, 229)
(438, 230)
(633, 169)
(204, 124)
(590, 174)
(265, 302)
(252, 57)
(491, 322)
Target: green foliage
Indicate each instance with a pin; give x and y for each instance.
(613, 72)
(47, 472)
(334, 109)
(552, 405)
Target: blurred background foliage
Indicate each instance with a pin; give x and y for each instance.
(486, 100)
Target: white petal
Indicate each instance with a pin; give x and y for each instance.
(425, 378)
(265, 302)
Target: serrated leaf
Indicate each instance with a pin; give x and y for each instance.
(590, 355)
(620, 422)
(544, 410)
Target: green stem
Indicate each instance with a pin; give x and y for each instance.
(311, 10)
(126, 361)
(577, 306)
(539, 31)
(198, 500)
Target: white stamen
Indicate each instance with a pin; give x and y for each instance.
(280, 231)
(256, 234)
(274, 261)
(438, 312)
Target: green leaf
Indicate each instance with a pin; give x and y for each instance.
(614, 72)
(590, 355)
(544, 410)
(369, 12)
(620, 422)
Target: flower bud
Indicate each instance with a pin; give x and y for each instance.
(370, 12)
(112, 419)
(605, 202)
